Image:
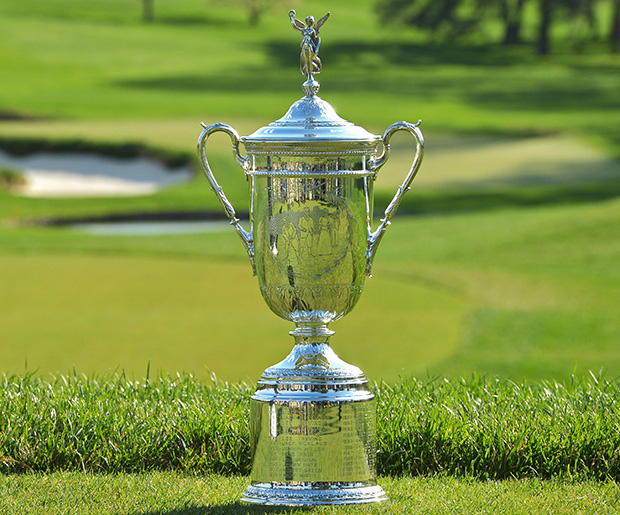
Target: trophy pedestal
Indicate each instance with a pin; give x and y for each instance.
(313, 432)
(277, 494)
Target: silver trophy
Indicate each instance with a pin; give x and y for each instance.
(311, 174)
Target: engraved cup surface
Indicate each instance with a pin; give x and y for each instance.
(305, 436)
(311, 228)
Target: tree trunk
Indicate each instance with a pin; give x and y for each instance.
(512, 35)
(147, 11)
(615, 28)
(512, 13)
(544, 29)
(254, 16)
(255, 10)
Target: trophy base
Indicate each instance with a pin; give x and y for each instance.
(313, 432)
(312, 494)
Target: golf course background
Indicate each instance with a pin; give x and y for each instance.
(504, 260)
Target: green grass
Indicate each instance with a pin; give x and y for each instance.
(481, 428)
(520, 279)
(180, 494)
(10, 178)
(100, 63)
(525, 293)
(182, 312)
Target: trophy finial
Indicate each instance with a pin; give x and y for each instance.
(309, 59)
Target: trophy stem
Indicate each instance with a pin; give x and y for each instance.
(306, 331)
(312, 347)
(311, 87)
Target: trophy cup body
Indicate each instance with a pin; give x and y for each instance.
(311, 245)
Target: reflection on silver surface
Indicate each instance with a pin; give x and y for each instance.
(311, 245)
(319, 436)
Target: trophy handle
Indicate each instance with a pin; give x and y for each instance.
(374, 238)
(244, 162)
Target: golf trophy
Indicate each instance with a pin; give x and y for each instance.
(311, 174)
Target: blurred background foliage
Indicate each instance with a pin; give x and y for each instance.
(512, 19)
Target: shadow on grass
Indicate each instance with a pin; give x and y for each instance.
(425, 202)
(341, 52)
(472, 80)
(344, 55)
(24, 146)
(458, 201)
(196, 19)
(501, 91)
(236, 508)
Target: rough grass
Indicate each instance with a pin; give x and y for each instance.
(482, 428)
(119, 425)
(498, 429)
(10, 178)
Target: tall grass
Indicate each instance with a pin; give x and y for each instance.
(115, 424)
(473, 427)
(498, 429)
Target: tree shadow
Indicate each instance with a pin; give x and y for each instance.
(241, 82)
(476, 83)
(467, 200)
(195, 19)
(285, 55)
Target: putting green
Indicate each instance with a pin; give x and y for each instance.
(120, 313)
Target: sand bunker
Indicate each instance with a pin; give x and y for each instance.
(79, 175)
(454, 161)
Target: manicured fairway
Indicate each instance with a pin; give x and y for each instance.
(177, 494)
(102, 313)
(518, 292)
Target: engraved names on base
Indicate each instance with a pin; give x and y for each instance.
(325, 441)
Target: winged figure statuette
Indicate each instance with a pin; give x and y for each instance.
(310, 62)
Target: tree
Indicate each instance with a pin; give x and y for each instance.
(512, 15)
(615, 27)
(453, 18)
(147, 11)
(548, 11)
(256, 8)
(584, 14)
(545, 9)
(443, 18)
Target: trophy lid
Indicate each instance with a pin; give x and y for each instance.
(310, 119)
